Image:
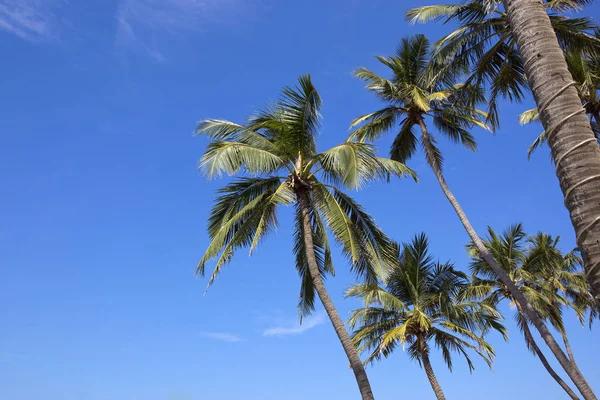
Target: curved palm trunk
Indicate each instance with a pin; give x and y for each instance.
(572, 372)
(338, 325)
(533, 345)
(439, 394)
(570, 351)
(571, 139)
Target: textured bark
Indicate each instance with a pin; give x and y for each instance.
(533, 345)
(579, 170)
(338, 325)
(429, 371)
(516, 294)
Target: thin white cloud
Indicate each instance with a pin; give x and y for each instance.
(222, 336)
(143, 23)
(295, 328)
(33, 20)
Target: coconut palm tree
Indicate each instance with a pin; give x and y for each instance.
(415, 95)
(419, 304)
(550, 280)
(489, 31)
(585, 69)
(484, 46)
(276, 150)
(560, 277)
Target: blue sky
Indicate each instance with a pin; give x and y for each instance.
(103, 211)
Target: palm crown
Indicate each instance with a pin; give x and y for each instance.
(484, 45)
(277, 151)
(420, 302)
(549, 279)
(412, 95)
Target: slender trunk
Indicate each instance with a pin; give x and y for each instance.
(570, 351)
(570, 135)
(338, 325)
(439, 394)
(533, 345)
(576, 377)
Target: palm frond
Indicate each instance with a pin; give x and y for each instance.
(430, 13)
(529, 116)
(405, 142)
(300, 112)
(541, 139)
(234, 157)
(370, 251)
(375, 124)
(354, 164)
(234, 224)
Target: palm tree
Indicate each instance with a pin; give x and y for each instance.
(561, 279)
(585, 69)
(540, 58)
(419, 303)
(547, 278)
(483, 45)
(413, 94)
(277, 148)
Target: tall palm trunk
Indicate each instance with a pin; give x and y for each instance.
(569, 132)
(439, 394)
(569, 351)
(338, 325)
(533, 345)
(575, 376)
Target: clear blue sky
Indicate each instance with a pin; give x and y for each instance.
(103, 211)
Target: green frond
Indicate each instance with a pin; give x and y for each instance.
(372, 293)
(300, 112)
(235, 196)
(375, 124)
(430, 13)
(541, 139)
(234, 157)
(382, 87)
(529, 116)
(567, 5)
(282, 195)
(405, 142)
(420, 98)
(442, 95)
(236, 233)
(338, 221)
(396, 168)
(453, 124)
(354, 164)
(370, 251)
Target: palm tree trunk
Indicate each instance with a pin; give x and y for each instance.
(533, 345)
(439, 394)
(576, 377)
(338, 325)
(570, 135)
(570, 351)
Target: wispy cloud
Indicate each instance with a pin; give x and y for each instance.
(295, 328)
(33, 20)
(142, 23)
(222, 336)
